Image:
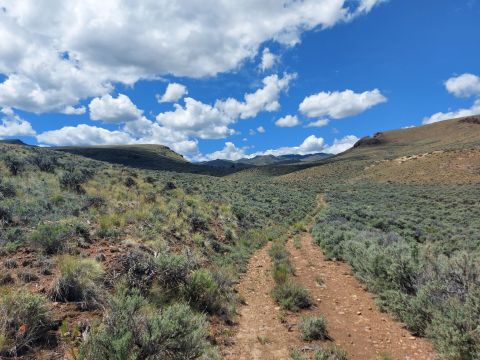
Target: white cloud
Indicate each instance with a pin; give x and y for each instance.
(213, 122)
(318, 123)
(173, 93)
(464, 85)
(197, 119)
(338, 105)
(311, 145)
(261, 130)
(440, 116)
(288, 121)
(13, 125)
(83, 135)
(229, 152)
(114, 110)
(70, 110)
(55, 54)
(268, 60)
(264, 99)
(341, 145)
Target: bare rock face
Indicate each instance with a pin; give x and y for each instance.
(471, 120)
(376, 139)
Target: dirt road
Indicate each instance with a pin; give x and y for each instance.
(354, 322)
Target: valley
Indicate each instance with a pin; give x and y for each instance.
(115, 249)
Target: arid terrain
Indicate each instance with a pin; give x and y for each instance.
(370, 254)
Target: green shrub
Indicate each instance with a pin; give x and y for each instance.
(14, 164)
(7, 190)
(78, 281)
(210, 292)
(334, 353)
(44, 162)
(172, 269)
(132, 329)
(5, 215)
(73, 180)
(292, 296)
(202, 291)
(313, 328)
(281, 272)
(454, 328)
(24, 322)
(51, 238)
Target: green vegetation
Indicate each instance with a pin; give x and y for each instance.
(334, 353)
(79, 281)
(177, 236)
(24, 322)
(132, 329)
(313, 328)
(178, 241)
(287, 293)
(417, 248)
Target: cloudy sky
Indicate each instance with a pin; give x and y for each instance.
(229, 79)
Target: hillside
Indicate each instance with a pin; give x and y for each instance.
(445, 135)
(144, 156)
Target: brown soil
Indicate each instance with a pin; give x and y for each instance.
(260, 333)
(354, 322)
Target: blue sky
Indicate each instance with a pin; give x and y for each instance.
(403, 60)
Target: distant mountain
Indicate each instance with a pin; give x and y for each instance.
(264, 160)
(12, 142)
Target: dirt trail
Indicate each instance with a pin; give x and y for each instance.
(354, 322)
(260, 333)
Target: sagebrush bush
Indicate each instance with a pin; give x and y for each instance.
(334, 353)
(132, 329)
(79, 281)
(292, 296)
(73, 180)
(210, 292)
(15, 164)
(44, 162)
(172, 269)
(7, 189)
(51, 238)
(24, 321)
(313, 328)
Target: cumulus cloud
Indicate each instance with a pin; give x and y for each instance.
(205, 121)
(13, 125)
(288, 121)
(339, 105)
(341, 145)
(114, 110)
(83, 135)
(268, 60)
(261, 130)
(229, 152)
(70, 110)
(441, 116)
(264, 99)
(173, 93)
(197, 119)
(464, 85)
(318, 123)
(54, 54)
